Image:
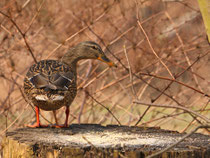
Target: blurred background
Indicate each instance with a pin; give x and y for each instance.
(160, 47)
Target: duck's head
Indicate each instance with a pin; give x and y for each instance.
(91, 50)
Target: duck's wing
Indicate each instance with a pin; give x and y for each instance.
(56, 81)
(62, 80)
(51, 76)
(39, 80)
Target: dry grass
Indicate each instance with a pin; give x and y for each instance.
(160, 49)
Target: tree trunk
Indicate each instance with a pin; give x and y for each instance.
(91, 140)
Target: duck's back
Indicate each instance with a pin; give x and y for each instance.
(50, 84)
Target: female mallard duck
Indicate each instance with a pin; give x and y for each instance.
(51, 84)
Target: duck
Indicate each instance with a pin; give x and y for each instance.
(52, 84)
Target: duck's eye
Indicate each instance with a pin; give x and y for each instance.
(94, 47)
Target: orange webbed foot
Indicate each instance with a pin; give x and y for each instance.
(60, 126)
(37, 125)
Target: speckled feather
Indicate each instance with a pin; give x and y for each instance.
(50, 79)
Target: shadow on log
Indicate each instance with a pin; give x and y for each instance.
(91, 140)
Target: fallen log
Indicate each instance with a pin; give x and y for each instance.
(92, 140)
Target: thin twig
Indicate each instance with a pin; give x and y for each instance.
(21, 113)
(182, 46)
(104, 107)
(167, 116)
(178, 75)
(151, 47)
(179, 82)
(130, 72)
(201, 110)
(37, 13)
(22, 34)
(175, 107)
(141, 117)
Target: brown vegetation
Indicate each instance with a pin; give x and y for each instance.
(160, 48)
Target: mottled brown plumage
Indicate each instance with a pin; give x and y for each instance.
(51, 84)
(50, 78)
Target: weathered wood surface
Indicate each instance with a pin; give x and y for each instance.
(89, 140)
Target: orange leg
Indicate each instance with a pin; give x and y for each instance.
(37, 124)
(66, 121)
(67, 116)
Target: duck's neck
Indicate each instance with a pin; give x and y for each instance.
(72, 56)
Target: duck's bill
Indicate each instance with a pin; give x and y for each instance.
(107, 61)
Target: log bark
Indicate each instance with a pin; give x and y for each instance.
(92, 140)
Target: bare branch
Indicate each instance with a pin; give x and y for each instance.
(176, 107)
(22, 34)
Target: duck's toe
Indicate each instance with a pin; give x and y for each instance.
(37, 125)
